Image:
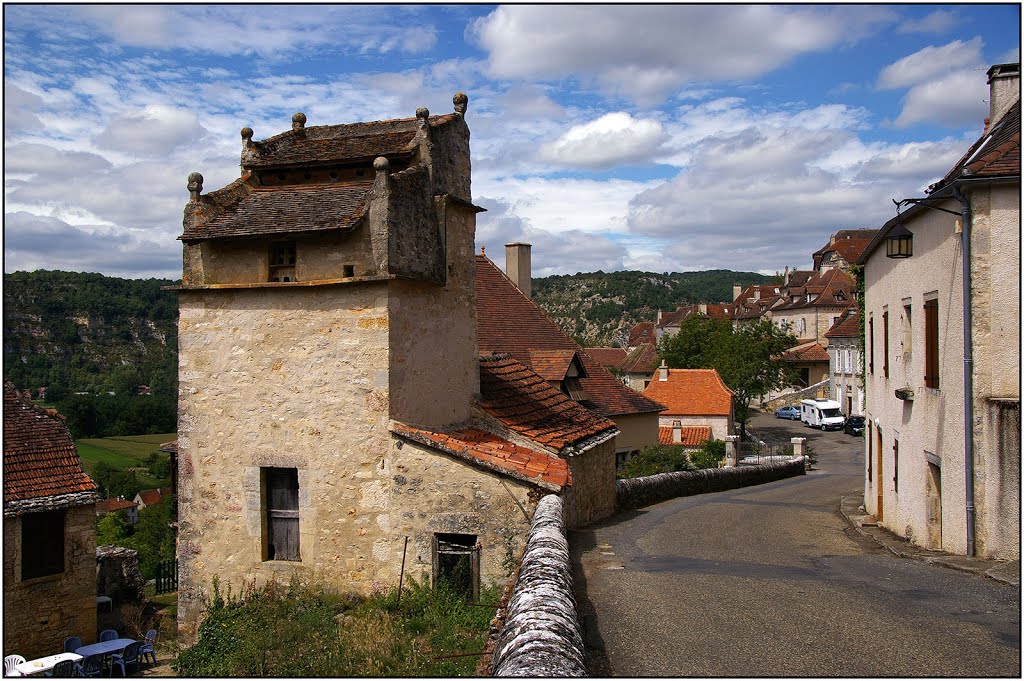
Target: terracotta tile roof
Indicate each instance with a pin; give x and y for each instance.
(333, 143)
(691, 436)
(510, 322)
(609, 358)
(995, 154)
(850, 249)
(285, 210)
(111, 505)
(551, 365)
(40, 459)
(151, 497)
(846, 235)
(691, 392)
(641, 333)
(723, 311)
(806, 352)
(847, 326)
(643, 360)
(169, 447)
(526, 403)
(832, 288)
(494, 453)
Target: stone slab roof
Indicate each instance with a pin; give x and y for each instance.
(691, 392)
(491, 452)
(285, 210)
(527, 404)
(40, 459)
(642, 332)
(509, 322)
(691, 436)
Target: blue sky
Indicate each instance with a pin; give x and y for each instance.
(659, 138)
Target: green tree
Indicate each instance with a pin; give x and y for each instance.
(112, 528)
(747, 359)
(153, 536)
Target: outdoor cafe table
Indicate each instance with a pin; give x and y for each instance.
(105, 647)
(45, 664)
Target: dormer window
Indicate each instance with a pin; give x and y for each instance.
(282, 261)
(840, 295)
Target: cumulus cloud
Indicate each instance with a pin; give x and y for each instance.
(41, 242)
(645, 52)
(20, 110)
(155, 130)
(930, 62)
(955, 99)
(938, 21)
(613, 139)
(51, 163)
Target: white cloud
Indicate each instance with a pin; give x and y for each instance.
(938, 21)
(929, 63)
(20, 109)
(644, 52)
(613, 139)
(155, 130)
(954, 99)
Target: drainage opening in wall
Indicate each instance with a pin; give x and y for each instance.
(457, 563)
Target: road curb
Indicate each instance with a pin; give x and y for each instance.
(852, 508)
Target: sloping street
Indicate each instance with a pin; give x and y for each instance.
(772, 581)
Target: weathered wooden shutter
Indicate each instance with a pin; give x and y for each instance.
(282, 514)
(871, 345)
(931, 343)
(885, 344)
(42, 544)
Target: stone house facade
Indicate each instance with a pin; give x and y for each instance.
(942, 444)
(49, 533)
(336, 417)
(846, 382)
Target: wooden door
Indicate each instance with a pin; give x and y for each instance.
(878, 473)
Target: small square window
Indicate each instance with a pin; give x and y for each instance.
(457, 563)
(42, 544)
(282, 261)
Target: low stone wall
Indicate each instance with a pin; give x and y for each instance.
(541, 635)
(638, 492)
(819, 389)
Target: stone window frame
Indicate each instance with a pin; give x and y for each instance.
(931, 342)
(457, 544)
(42, 544)
(282, 260)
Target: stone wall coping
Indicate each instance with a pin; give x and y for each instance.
(284, 284)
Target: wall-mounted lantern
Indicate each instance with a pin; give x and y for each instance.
(899, 242)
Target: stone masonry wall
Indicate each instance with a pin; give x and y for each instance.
(541, 634)
(638, 492)
(591, 496)
(40, 613)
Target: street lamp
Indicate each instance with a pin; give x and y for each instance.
(899, 242)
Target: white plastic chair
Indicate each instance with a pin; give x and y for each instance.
(10, 662)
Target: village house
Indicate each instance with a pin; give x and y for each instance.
(942, 314)
(843, 250)
(338, 418)
(130, 509)
(845, 380)
(49, 533)
(693, 397)
(639, 366)
(149, 497)
(668, 322)
(510, 322)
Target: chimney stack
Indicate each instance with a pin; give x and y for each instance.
(517, 266)
(702, 308)
(663, 371)
(1004, 90)
(736, 291)
(677, 432)
(785, 276)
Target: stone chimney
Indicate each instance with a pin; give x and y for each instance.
(702, 308)
(785, 276)
(677, 432)
(1004, 90)
(663, 371)
(736, 291)
(517, 266)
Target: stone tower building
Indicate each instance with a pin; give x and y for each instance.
(331, 419)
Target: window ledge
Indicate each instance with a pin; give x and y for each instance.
(283, 284)
(56, 577)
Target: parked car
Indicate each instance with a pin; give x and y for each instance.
(791, 412)
(854, 425)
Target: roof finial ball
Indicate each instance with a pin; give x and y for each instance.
(246, 137)
(381, 164)
(461, 101)
(298, 121)
(422, 114)
(195, 186)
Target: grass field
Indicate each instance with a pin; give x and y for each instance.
(122, 452)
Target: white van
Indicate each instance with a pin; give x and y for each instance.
(822, 414)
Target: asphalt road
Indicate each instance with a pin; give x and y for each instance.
(771, 581)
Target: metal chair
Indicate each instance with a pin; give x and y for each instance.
(129, 656)
(149, 645)
(109, 635)
(10, 662)
(90, 666)
(72, 643)
(65, 669)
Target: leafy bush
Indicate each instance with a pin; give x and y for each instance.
(305, 630)
(656, 459)
(710, 455)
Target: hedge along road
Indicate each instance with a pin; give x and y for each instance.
(771, 581)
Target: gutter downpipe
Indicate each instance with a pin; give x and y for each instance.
(965, 249)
